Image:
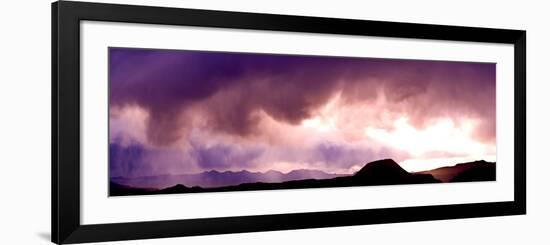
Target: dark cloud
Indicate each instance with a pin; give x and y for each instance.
(227, 94)
(233, 86)
(167, 82)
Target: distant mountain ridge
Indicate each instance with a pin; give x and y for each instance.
(213, 178)
(381, 172)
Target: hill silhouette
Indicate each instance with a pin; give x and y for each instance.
(480, 172)
(381, 172)
(116, 189)
(448, 174)
(213, 178)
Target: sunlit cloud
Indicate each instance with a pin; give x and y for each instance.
(442, 136)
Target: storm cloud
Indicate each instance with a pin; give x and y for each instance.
(226, 108)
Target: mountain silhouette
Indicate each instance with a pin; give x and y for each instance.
(388, 172)
(213, 178)
(116, 189)
(381, 172)
(448, 174)
(480, 172)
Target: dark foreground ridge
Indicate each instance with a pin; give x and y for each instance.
(381, 172)
(465, 172)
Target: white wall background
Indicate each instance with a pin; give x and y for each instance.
(25, 121)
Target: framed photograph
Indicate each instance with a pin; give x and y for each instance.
(176, 122)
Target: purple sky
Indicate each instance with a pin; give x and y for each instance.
(175, 112)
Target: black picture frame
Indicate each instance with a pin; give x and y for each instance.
(65, 224)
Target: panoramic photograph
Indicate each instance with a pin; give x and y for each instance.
(186, 121)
